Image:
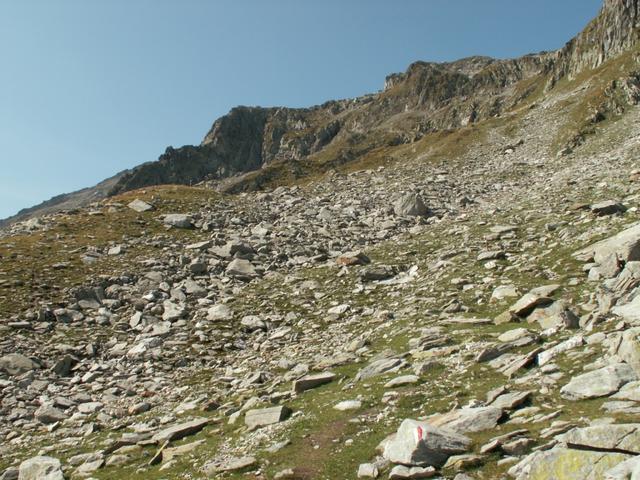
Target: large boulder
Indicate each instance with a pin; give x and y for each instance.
(627, 349)
(41, 468)
(566, 463)
(535, 298)
(558, 314)
(628, 311)
(17, 364)
(625, 437)
(599, 383)
(411, 205)
(178, 220)
(266, 416)
(241, 269)
(625, 246)
(468, 420)
(48, 414)
(418, 444)
(140, 205)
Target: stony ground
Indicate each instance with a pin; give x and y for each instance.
(425, 319)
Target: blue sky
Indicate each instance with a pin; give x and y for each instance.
(89, 87)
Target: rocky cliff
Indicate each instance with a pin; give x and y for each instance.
(613, 31)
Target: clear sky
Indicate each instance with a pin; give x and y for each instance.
(91, 87)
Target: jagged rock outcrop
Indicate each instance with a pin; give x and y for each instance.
(613, 31)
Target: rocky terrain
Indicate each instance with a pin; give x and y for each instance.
(462, 306)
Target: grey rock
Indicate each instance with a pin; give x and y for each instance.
(599, 383)
(379, 367)
(546, 356)
(41, 468)
(558, 314)
(176, 432)
(140, 206)
(402, 381)
(608, 207)
(624, 438)
(17, 364)
(252, 323)
(368, 470)
(266, 416)
(628, 311)
(172, 311)
(625, 246)
(231, 465)
(48, 414)
(219, 312)
(468, 420)
(312, 381)
(411, 205)
(178, 220)
(511, 401)
(400, 471)
(533, 299)
(241, 269)
(627, 349)
(420, 444)
(566, 463)
(348, 405)
(10, 473)
(625, 470)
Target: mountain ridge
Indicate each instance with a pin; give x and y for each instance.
(428, 97)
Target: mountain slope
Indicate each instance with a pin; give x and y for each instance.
(457, 304)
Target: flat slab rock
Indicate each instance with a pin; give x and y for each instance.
(380, 366)
(401, 381)
(312, 381)
(625, 245)
(266, 416)
(510, 401)
(241, 269)
(566, 463)
(401, 472)
(533, 299)
(418, 444)
(140, 206)
(176, 432)
(231, 465)
(625, 437)
(468, 420)
(599, 383)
